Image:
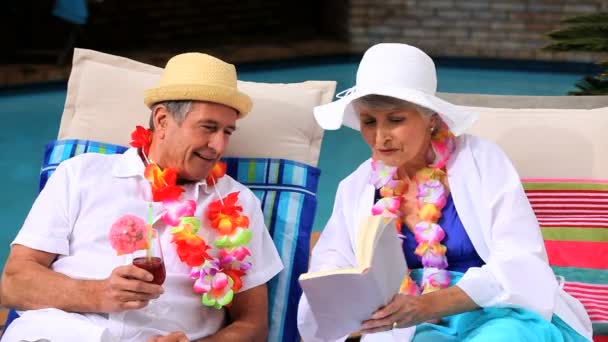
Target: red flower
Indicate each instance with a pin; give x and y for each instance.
(217, 171)
(190, 248)
(162, 183)
(226, 206)
(227, 225)
(167, 193)
(236, 277)
(141, 138)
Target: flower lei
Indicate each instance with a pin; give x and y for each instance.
(217, 277)
(431, 198)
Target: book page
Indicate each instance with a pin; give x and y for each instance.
(370, 233)
(371, 227)
(388, 261)
(309, 275)
(341, 299)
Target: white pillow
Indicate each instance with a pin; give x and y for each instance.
(281, 124)
(105, 102)
(549, 143)
(105, 97)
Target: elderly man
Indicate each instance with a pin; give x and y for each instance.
(70, 283)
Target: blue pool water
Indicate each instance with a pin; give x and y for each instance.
(31, 118)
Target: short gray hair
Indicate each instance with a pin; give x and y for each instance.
(178, 109)
(381, 102)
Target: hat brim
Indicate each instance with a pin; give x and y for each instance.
(210, 93)
(341, 112)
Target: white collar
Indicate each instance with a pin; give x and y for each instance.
(131, 165)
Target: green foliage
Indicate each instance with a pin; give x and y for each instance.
(580, 37)
(587, 33)
(597, 18)
(591, 85)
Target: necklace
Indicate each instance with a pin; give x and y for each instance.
(216, 269)
(431, 198)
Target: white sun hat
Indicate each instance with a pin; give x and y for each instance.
(396, 70)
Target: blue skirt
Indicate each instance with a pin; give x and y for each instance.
(494, 324)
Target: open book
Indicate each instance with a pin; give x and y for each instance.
(340, 299)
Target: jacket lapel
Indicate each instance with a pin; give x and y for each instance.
(465, 186)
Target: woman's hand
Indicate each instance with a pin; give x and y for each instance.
(404, 310)
(407, 311)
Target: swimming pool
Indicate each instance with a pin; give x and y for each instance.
(31, 116)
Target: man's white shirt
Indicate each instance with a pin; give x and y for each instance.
(72, 217)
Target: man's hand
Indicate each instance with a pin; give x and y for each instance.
(176, 336)
(127, 288)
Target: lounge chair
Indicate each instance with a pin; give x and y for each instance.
(274, 152)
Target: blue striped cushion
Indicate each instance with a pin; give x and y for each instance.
(287, 191)
(59, 150)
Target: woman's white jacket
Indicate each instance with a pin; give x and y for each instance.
(497, 216)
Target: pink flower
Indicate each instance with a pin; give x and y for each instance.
(430, 259)
(234, 259)
(210, 277)
(434, 279)
(215, 285)
(195, 272)
(382, 174)
(432, 254)
(175, 210)
(443, 146)
(387, 206)
(428, 232)
(431, 192)
(128, 234)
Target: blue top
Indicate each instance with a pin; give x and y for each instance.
(460, 254)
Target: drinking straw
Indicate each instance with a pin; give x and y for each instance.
(149, 250)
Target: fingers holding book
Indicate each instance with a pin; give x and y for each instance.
(401, 312)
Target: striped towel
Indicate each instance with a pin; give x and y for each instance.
(573, 215)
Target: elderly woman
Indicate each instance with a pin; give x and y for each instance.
(478, 267)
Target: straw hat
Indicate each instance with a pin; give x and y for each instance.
(396, 70)
(198, 76)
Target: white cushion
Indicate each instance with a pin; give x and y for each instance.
(281, 124)
(546, 143)
(105, 102)
(525, 101)
(101, 89)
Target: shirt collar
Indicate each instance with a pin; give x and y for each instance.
(131, 165)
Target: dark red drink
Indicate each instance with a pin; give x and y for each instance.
(154, 265)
